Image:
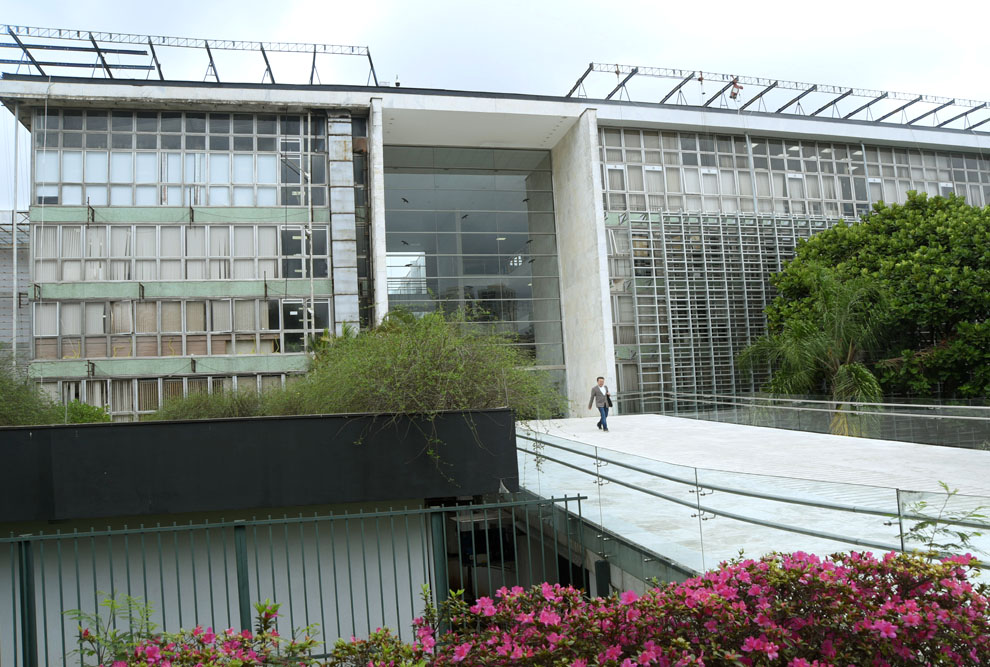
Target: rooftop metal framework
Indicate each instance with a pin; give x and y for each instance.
(33, 47)
(762, 95)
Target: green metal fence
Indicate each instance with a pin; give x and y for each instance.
(348, 573)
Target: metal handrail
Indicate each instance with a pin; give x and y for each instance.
(840, 507)
(806, 400)
(719, 487)
(744, 492)
(289, 520)
(728, 515)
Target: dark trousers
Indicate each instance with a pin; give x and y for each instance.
(604, 413)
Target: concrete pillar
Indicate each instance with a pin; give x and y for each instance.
(584, 298)
(343, 246)
(376, 197)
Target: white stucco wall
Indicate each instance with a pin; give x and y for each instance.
(584, 300)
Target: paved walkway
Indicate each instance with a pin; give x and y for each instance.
(810, 466)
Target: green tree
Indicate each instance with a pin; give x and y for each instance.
(931, 258)
(824, 350)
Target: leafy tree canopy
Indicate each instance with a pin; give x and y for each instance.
(931, 258)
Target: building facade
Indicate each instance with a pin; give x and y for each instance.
(192, 236)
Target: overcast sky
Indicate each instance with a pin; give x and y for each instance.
(541, 47)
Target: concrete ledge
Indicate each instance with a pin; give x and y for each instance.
(186, 289)
(155, 366)
(178, 214)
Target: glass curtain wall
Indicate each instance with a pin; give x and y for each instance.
(474, 229)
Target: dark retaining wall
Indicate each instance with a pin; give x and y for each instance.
(110, 470)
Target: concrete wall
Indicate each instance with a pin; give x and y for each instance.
(584, 300)
(376, 183)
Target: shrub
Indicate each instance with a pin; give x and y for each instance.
(22, 403)
(206, 648)
(408, 365)
(77, 412)
(784, 609)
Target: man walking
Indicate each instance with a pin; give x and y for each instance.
(602, 400)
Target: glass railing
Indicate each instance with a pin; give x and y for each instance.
(949, 424)
(699, 517)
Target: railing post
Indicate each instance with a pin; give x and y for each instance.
(900, 520)
(243, 587)
(28, 610)
(439, 557)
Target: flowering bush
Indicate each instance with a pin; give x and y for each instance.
(201, 647)
(795, 609)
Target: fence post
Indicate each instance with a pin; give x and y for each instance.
(28, 610)
(243, 588)
(439, 557)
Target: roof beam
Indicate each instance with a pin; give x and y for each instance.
(26, 52)
(100, 53)
(964, 113)
(719, 93)
(759, 95)
(154, 57)
(268, 66)
(212, 65)
(577, 84)
(622, 83)
(976, 125)
(868, 104)
(833, 102)
(929, 113)
(54, 63)
(899, 109)
(89, 49)
(798, 98)
(371, 63)
(677, 87)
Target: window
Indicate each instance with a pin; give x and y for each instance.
(148, 158)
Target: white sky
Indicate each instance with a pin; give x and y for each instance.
(542, 46)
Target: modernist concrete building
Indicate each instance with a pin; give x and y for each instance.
(186, 236)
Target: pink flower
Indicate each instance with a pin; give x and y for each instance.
(629, 597)
(549, 618)
(886, 629)
(461, 652)
(580, 662)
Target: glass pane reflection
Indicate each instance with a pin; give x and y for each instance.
(474, 229)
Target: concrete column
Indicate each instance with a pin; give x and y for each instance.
(376, 197)
(343, 244)
(584, 298)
